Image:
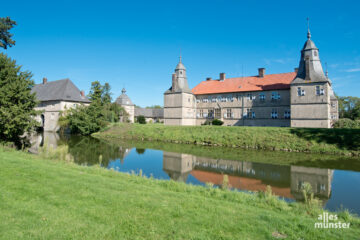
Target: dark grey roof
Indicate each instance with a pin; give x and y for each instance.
(150, 112)
(124, 99)
(63, 90)
(310, 69)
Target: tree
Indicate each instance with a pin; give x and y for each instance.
(106, 94)
(155, 106)
(349, 107)
(86, 120)
(5, 36)
(141, 119)
(17, 103)
(96, 92)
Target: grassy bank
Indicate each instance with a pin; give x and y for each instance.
(324, 141)
(47, 199)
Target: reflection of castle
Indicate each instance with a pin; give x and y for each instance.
(285, 181)
(38, 140)
(178, 165)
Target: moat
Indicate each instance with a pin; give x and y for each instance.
(336, 182)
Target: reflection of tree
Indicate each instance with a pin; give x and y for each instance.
(140, 150)
(86, 150)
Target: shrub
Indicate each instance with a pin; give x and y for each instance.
(347, 123)
(141, 119)
(217, 122)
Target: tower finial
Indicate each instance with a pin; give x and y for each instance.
(326, 72)
(180, 56)
(123, 91)
(308, 32)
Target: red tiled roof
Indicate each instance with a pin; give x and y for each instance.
(245, 84)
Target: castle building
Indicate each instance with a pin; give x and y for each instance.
(302, 98)
(55, 97)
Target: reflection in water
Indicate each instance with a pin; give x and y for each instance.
(249, 175)
(285, 181)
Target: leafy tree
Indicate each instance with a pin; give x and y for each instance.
(349, 107)
(106, 94)
(141, 119)
(86, 120)
(96, 93)
(17, 114)
(5, 36)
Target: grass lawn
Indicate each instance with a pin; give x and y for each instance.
(48, 199)
(324, 141)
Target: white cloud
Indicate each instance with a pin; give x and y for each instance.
(353, 70)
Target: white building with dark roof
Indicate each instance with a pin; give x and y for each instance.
(124, 101)
(55, 97)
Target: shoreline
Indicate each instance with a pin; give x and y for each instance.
(326, 141)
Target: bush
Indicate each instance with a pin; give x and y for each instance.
(217, 122)
(141, 119)
(347, 123)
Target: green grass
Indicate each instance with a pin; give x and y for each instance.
(48, 199)
(323, 141)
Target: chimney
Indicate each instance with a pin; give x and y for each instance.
(82, 93)
(208, 79)
(261, 72)
(174, 85)
(296, 70)
(222, 76)
(44, 80)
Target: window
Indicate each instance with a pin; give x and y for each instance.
(287, 114)
(218, 113)
(229, 98)
(213, 99)
(211, 113)
(223, 99)
(201, 113)
(274, 114)
(319, 91)
(228, 113)
(205, 100)
(275, 96)
(250, 96)
(249, 113)
(262, 97)
(197, 100)
(300, 91)
(315, 53)
(238, 96)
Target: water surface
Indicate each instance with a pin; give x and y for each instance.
(335, 180)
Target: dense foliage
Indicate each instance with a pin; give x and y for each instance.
(5, 36)
(347, 123)
(141, 119)
(16, 101)
(217, 122)
(349, 107)
(85, 120)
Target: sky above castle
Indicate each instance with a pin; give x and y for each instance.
(136, 44)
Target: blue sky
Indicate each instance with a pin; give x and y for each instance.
(136, 44)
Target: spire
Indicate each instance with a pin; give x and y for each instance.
(326, 70)
(308, 32)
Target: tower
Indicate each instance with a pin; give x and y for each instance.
(179, 102)
(311, 95)
(124, 101)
